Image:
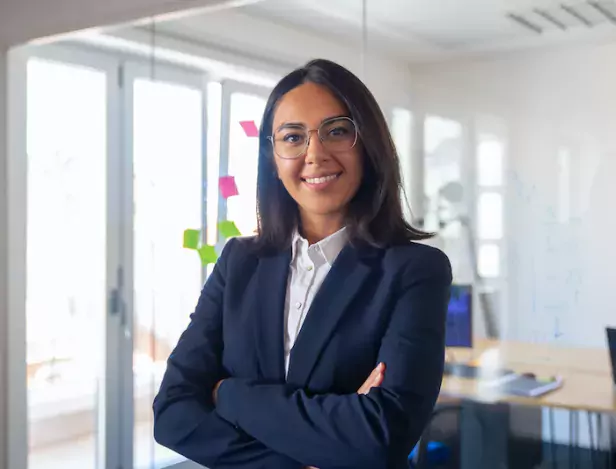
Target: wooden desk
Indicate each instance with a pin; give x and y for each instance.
(587, 386)
(588, 360)
(588, 383)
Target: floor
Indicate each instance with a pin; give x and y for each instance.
(80, 454)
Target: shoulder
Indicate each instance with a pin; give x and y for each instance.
(419, 261)
(238, 246)
(238, 249)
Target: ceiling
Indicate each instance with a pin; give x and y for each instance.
(420, 30)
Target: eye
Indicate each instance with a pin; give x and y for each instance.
(293, 139)
(339, 131)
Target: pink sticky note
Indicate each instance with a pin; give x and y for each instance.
(227, 185)
(250, 128)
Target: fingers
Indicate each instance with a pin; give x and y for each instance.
(363, 389)
(380, 375)
(374, 380)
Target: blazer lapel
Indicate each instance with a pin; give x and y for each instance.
(339, 288)
(272, 277)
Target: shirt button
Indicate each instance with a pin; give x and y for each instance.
(298, 305)
(309, 268)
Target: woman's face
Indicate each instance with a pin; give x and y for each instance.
(324, 178)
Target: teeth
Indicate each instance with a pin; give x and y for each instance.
(321, 180)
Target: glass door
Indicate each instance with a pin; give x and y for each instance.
(242, 111)
(71, 256)
(165, 169)
(117, 171)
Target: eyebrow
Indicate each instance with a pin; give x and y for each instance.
(299, 125)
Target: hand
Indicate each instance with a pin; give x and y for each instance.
(215, 391)
(374, 380)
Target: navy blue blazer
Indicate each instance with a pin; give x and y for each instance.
(375, 305)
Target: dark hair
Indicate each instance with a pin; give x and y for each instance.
(375, 215)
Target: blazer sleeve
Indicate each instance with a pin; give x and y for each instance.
(185, 419)
(355, 431)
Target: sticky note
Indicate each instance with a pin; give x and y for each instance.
(228, 229)
(250, 128)
(207, 254)
(227, 186)
(191, 239)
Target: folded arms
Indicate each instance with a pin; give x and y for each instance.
(267, 425)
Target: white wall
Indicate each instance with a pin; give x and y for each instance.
(3, 262)
(559, 224)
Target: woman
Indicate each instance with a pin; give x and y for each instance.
(330, 294)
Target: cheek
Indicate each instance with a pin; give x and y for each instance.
(355, 169)
(288, 171)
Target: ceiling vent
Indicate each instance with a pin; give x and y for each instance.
(566, 16)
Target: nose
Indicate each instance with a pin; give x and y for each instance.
(315, 152)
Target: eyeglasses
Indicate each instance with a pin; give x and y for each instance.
(291, 141)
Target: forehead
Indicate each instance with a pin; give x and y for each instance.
(308, 104)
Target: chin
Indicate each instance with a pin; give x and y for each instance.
(323, 209)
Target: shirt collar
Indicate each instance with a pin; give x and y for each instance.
(330, 247)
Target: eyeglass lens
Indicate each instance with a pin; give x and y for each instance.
(336, 135)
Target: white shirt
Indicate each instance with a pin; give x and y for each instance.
(309, 266)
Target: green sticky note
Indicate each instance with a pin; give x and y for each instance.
(228, 229)
(191, 239)
(207, 254)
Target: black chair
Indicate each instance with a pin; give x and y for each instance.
(421, 461)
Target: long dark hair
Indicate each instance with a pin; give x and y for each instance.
(374, 215)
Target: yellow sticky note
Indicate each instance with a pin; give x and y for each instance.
(207, 254)
(191, 239)
(228, 229)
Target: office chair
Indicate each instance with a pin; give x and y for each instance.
(427, 454)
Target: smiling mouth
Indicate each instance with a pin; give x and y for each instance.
(322, 180)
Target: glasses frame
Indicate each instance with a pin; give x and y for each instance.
(309, 132)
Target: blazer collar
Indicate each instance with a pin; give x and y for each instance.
(349, 273)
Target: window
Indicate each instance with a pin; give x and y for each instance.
(490, 220)
(490, 156)
(167, 160)
(243, 160)
(490, 162)
(489, 260)
(66, 258)
(442, 174)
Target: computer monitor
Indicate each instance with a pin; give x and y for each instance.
(611, 345)
(459, 331)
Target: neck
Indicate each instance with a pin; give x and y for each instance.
(316, 228)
